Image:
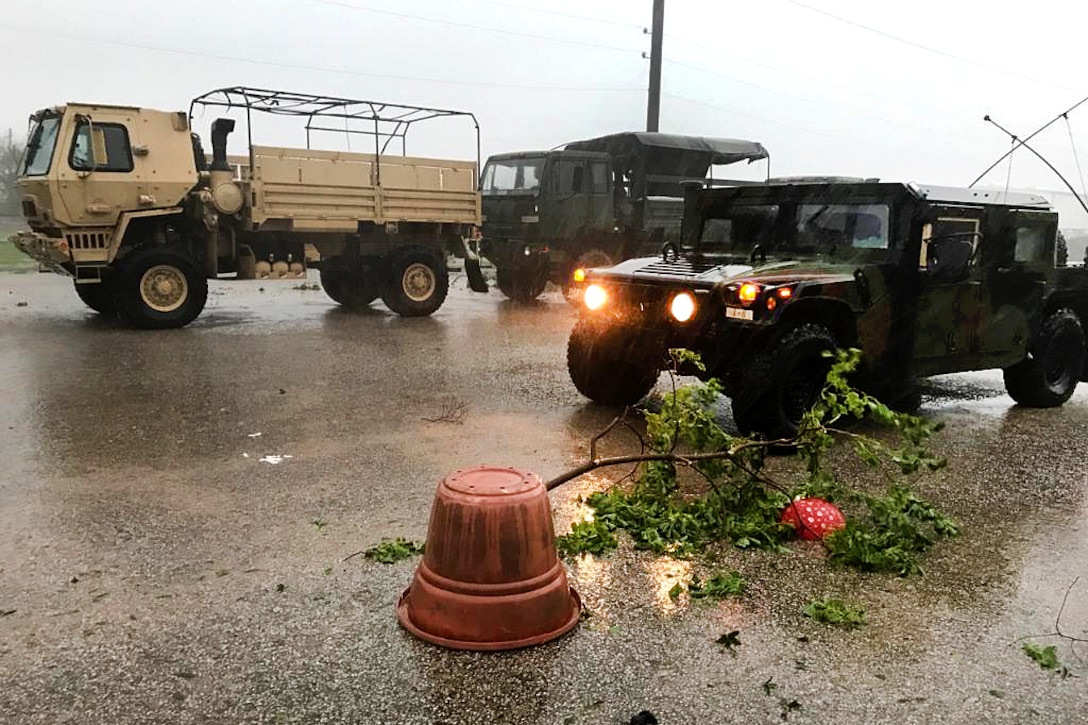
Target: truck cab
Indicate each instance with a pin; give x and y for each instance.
(592, 203)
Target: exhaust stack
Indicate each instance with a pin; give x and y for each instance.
(221, 128)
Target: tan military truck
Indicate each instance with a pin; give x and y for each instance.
(126, 202)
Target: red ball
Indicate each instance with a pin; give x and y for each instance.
(813, 518)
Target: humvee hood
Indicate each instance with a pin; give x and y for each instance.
(707, 270)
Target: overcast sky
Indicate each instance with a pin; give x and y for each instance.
(825, 95)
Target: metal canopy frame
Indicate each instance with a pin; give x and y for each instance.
(386, 122)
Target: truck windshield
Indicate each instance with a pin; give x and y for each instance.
(40, 146)
(512, 175)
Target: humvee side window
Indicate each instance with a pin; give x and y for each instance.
(739, 228)
(1030, 244)
(101, 147)
(831, 227)
(948, 228)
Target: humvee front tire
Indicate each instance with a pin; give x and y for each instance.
(609, 364)
(781, 385)
(159, 289)
(99, 297)
(1049, 376)
(417, 284)
(349, 285)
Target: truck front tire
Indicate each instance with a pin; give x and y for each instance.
(781, 385)
(417, 283)
(159, 289)
(99, 297)
(1049, 376)
(523, 284)
(609, 364)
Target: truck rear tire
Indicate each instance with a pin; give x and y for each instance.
(160, 289)
(1049, 376)
(781, 385)
(522, 285)
(99, 297)
(417, 284)
(350, 285)
(609, 364)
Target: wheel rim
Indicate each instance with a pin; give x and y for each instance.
(1057, 365)
(418, 282)
(164, 288)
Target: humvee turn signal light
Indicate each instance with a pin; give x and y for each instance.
(682, 307)
(579, 275)
(748, 293)
(595, 297)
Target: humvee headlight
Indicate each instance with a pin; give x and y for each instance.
(682, 307)
(595, 297)
(579, 275)
(748, 293)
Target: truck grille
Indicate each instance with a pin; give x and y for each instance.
(89, 240)
(682, 267)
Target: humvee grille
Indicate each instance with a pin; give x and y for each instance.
(680, 267)
(88, 240)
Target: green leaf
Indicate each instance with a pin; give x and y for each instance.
(830, 610)
(390, 551)
(1045, 657)
(718, 586)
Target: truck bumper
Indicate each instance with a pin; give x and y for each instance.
(47, 251)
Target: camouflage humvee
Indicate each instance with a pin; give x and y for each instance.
(925, 280)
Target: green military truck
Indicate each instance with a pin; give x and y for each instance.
(924, 280)
(125, 201)
(590, 204)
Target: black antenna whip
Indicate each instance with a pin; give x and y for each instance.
(1024, 142)
(1057, 173)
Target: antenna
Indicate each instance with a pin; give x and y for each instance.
(1024, 143)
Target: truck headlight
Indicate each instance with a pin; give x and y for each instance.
(682, 307)
(595, 297)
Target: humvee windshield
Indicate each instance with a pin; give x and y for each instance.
(39, 149)
(785, 231)
(512, 175)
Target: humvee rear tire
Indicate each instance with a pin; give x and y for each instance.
(159, 289)
(349, 285)
(417, 283)
(99, 297)
(781, 385)
(1049, 376)
(609, 364)
(521, 285)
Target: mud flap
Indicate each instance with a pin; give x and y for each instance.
(476, 281)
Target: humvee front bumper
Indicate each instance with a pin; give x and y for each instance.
(49, 251)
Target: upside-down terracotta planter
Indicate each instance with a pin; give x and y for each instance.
(490, 578)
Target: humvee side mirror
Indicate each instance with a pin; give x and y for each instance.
(949, 258)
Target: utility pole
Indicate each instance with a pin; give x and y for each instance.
(653, 107)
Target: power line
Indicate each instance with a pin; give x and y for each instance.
(764, 119)
(458, 24)
(561, 14)
(926, 48)
(808, 78)
(296, 66)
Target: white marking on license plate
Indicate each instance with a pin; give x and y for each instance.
(738, 313)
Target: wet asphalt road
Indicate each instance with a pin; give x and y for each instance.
(154, 570)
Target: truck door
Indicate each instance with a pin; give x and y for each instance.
(949, 308)
(1016, 267)
(567, 210)
(602, 213)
